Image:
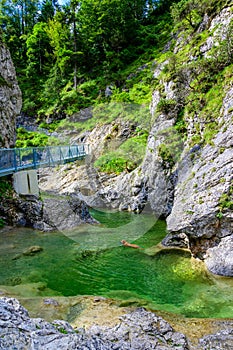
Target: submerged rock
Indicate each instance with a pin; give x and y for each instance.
(32, 250)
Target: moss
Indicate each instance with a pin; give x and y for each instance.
(165, 153)
(166, 105)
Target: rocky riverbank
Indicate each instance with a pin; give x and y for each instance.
(45, 214)
(131, 328)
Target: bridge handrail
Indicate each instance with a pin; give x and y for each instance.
(16, 159)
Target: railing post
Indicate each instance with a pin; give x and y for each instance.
(34, 157)
(15, 160)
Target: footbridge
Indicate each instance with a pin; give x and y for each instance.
(23, 162)
(16, 159)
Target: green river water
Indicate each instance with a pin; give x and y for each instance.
(91, 261)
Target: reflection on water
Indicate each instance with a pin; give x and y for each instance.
(91, 261)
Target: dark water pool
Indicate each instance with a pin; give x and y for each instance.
(91, 261)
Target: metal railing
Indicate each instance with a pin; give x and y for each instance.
(16, 159)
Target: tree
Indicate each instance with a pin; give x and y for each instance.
(17, 18)
(38, 50)
(48, 9)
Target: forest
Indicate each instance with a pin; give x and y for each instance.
(66, 54)
(100, 55)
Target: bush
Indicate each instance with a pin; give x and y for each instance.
(111, 163)
(5, 189)
(127, 157)
(33, 139)
(166, 105)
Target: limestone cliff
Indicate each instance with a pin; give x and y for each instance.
(188, 179)
(186, 174)
(10, 98)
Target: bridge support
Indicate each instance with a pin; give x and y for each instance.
(26, 182)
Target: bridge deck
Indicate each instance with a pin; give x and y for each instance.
(16, 159)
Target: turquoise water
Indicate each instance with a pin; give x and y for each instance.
(91, 261)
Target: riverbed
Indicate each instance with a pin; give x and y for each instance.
(90, 260)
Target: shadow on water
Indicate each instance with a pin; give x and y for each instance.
(91, 261)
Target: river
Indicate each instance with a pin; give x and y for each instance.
(90, 260)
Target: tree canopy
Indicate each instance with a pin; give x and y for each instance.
(58, 48)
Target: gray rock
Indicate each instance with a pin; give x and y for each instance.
(188, 186)
(176, 240)
(222, 340)
(219, 259)
(51, 213)
(10, 98)
(138, 330)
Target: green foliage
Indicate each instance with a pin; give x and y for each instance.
(166, 105)
(65, 56)
(112, 163)
(165, 153)
(226, 200)
(106, 113)
(2, 223)
(38, 50)
(50, 127)
(171, 147)
(6, 189)
(189, 13)
(127, 157)
(33, 139)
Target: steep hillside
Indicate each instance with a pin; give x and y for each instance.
(186, 173)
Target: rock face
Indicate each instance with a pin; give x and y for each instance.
(55, 213)
(10, 98)
(138, 330)
(188, 183)
(220, 340)
(219, 258)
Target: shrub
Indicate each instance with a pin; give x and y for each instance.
(5, 189)
(127, 157)
(33, 139)
(166, 105)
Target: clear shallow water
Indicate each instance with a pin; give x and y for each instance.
(91, 261)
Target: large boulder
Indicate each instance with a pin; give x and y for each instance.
(46, 214)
